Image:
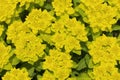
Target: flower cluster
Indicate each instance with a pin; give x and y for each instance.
(39, 20)
(4, 54)
(1, 29)
(7, 11)
(25, 42)
(115, 3)
(99, 15)
(68, 32)
(16, 74)
(60, 64)
(105, 51)
(62, 6)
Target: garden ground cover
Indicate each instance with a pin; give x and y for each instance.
(59, 39)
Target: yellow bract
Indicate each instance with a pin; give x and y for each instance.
(39, 20)
(7, 11)
(68, 32)
(29, 48)
(62, 6)
(28, 45)
(76, 28)
(59, 63)
(23, 2)
(106, 71)
(103, 52)
(4, 54)
(100, 16)
(1, 29)
(16, 74)
(48, 76)
(116, 4)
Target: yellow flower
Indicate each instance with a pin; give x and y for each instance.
(63, 6)
(90, 2)
(100, 15)
(105, 51)
(16, 74)
(68, 32)
(106, 71)
(58, 62)
(23, 2)
(62, 73)
(59, 40)
(71, 43)
(7, 9)
(39, 20)
(14, 29)
(4, 54)
(48, 76)
(1, 29)
(102, 49)
(115, 3)
(76, 29)
(59, 25)
(28, 45)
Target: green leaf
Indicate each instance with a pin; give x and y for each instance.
(40, 2)
(38, 65)
(84, 47)
(39, 77)
(84, 76)
(7, 66)
(116, 27)
(46, 38)
(90, 64)
(81, 12)
(76, 2)
(87, 59)
(95, 35)
(14, 60)
(78, 52)
(48, 6)
(85, 62)
(30, 68)
(81, 64)
(74, 65)
(31, 71)
(74, 73)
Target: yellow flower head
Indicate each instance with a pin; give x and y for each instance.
(29, 48)
(58, 62)
(76, 29)
(14, 29)
(7, 9)
(4, 54)
(100, 16)
(1, 29)
(48, 76)
(39, 20)
(102, 49)
(28, 45)
(62, 6)
(105, 51)
(115, 3)
(68, 32)
(16, 74)
(106, 71)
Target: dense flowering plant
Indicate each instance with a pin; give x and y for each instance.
(59, 40)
